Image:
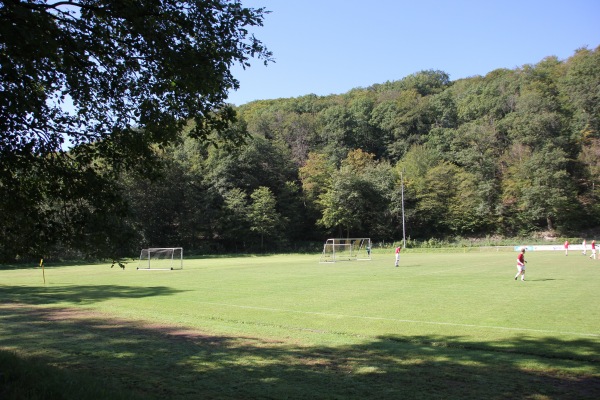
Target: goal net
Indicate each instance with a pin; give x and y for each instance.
(161, 258)
(346, 250)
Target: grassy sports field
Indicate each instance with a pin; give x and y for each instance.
(442, 325)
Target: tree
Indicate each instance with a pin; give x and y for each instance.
(447, 202)
(263, 216)
(345, 203)
(260, 162)
(590, 198)
(92, 87)
(234, 220)
(123, 67)
(293, 210)
(316, 175)
(580, 83)
(405, 120)
(358, 199)
(71, 216)
(537, 191)
(414, 167)
(337, 127)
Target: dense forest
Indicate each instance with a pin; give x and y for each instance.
(508, 153)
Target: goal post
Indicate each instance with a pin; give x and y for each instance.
(349, 249)
(161, 258)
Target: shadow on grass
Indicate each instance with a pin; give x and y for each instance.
(169, 362)
(79, 294)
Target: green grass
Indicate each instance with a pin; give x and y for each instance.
(443, 325)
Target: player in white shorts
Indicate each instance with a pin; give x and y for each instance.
(521, 265)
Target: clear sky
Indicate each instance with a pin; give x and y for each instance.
(332, 46)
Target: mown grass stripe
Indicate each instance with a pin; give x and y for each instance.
(412, 321)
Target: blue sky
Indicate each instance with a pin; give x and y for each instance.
(332, 46)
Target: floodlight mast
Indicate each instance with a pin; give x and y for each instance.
(402, 194)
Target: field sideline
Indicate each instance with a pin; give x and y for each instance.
(279, 325)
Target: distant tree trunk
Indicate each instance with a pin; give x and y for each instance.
(550, 224)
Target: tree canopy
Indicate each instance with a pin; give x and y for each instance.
(120, 74)
(92, 88)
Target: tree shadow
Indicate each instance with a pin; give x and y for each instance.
(86, 294)
(48, 264)
(177, 363)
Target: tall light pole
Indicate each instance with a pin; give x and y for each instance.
(402, 193)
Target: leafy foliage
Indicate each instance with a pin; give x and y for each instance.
(263, 216)
(93, 88)
(122, 66)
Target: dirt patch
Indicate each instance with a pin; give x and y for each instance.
(103, 320)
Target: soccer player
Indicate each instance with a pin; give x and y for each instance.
(566, 247)
(593, 249)
(397, 255)
(521, 265)
(584, 249)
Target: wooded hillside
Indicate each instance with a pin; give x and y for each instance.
(508, 153)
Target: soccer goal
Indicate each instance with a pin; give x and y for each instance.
(346, 250)
(161, 258)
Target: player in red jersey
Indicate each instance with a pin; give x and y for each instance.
(397, 255)
(521, 265)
